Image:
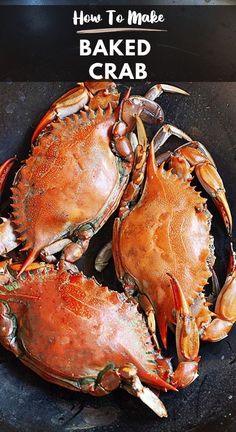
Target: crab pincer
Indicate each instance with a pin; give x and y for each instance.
(187, 339)
(79, 335)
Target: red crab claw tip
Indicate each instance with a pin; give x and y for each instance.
(156, 381)
(127, 94)
(30, 258)
(180, 301)
(162, 326)
(4, 170)
(47, 118)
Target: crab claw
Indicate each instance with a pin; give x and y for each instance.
(212, 183)
(187, 337)
(67, 104)
(4, 171)
(156, 91)
(185, 374)
(217, 330)
(226, 301)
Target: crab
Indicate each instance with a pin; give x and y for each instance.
(79, 166)
(78, 334)
(163, 249)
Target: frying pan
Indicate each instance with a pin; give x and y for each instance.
(27, 403)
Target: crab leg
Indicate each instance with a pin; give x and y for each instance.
(103, 257)
(73, 101)
(149, 311)
(225, 309)
(133, 385)
(133, 187)
(105, 254)
(131, 108)
(209, 178)
(130, 194)
(67, 104)
(164, 133)
(150, 113)
(144, 107)
(157, 90)
(187, 339)
(47, 254)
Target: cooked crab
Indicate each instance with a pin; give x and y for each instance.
(162, 246)
(79, 166)
(79, 335)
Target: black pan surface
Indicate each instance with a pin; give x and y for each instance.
(27, 403)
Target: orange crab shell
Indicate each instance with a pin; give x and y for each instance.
(67, 328)
(71, 178)
(158, 237)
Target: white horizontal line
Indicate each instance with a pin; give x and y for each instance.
(120, 29)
